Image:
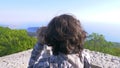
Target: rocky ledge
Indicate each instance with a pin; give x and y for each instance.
(104, 60)
(99, 60)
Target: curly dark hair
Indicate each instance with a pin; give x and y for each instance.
(65, 34)
(41, 33)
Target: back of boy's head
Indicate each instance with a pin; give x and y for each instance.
(65, 34)
(41, 35)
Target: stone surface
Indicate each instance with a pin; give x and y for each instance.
(21, 59)
(18, 60)
(104, 60)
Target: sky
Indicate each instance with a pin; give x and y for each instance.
(102, 16)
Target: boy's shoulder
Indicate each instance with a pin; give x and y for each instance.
(51, 61)
(86, 54)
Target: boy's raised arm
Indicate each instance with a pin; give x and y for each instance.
(36, 52)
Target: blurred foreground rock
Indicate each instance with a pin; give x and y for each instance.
(104, 60)
(18, 60)
(99, 60)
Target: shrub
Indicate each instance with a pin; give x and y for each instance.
(13, 40)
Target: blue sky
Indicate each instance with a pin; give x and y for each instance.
(102, 16)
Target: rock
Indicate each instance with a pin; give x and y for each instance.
(97, 59)
(104, 60)
(18, 60)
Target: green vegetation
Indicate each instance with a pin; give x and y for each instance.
(116, 44)
(12, 41)
(97, 42)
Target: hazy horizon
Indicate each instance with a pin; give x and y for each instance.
(110, 35)
(100, 16)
